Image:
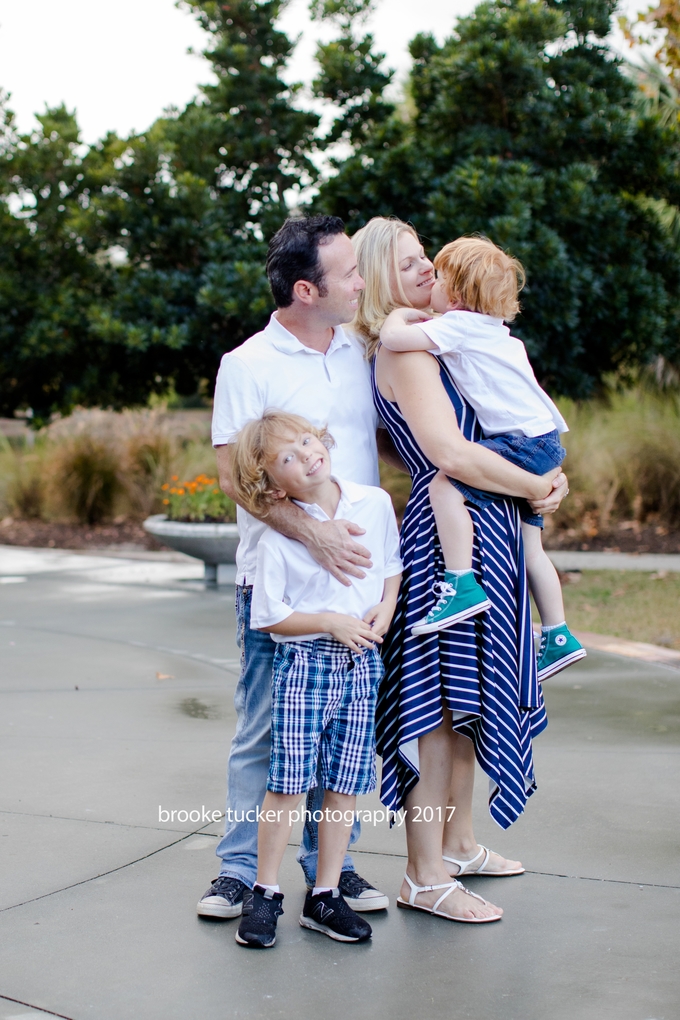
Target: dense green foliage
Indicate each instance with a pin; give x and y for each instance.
(522, 126)
(128, 268)
(136, 265)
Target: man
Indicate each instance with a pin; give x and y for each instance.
(302, 362)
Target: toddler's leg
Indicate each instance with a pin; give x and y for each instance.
(454, 523)
(273, 833)
(543, 580)
(559, 648)
(334, 837)
(461, 596)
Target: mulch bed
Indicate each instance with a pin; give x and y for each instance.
(127, 536)
(130, 536)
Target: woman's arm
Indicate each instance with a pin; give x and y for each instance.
(414, 383)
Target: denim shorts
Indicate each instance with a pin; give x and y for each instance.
(538, 455)
(323, 709)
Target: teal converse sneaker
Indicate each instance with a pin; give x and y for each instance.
(558, 649)
(460, 597)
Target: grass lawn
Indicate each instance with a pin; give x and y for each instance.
(625, 603)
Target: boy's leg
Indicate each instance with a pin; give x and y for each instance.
(246, 770)
(543, 580)
(334, 832)
(273, 833)
(454, 524)
(308, 854)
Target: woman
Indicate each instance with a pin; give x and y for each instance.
(472, 688)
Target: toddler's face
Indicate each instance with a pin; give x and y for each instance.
(300, 463)
(439, 299)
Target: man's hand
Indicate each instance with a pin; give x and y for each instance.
(333, 547)
(356, 634)
(552, 501)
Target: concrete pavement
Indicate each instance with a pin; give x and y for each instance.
(116, 686)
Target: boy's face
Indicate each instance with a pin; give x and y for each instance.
(301, 463)
(440, 300)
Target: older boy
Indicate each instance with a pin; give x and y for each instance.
(326, 666)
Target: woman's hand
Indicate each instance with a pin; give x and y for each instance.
(551, 503)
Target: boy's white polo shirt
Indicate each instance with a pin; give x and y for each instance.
(290, 580)
(493, 372)
(274, 370)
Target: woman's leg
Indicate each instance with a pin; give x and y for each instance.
(425, 816)
(454, 524)
(334, 832)
(543, 580)
(459, 837)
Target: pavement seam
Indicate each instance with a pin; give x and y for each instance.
(226, 665)
(111, 871)
(99, 821)
(20, 1002)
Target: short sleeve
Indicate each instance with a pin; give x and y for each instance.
(238, 400)
(445, 333)
(268, 606)
(393, 563)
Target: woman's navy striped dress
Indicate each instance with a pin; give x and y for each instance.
(484, 669)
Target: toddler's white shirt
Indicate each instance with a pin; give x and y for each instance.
(492, 371)
(288, 579)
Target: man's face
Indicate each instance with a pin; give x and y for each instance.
(341, 280)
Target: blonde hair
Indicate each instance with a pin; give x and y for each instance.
(481, 277)
(256, 446)
(375, 246)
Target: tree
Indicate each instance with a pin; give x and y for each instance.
(523, 127)
(143, 258)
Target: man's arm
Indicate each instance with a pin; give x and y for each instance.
(331, 543)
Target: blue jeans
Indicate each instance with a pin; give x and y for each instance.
(538, 455)
(249, 761)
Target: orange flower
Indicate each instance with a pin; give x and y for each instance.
(174, 478)
(166, 502)
(165, 486)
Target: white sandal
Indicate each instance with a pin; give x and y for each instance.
(411, 904)
(464, 866)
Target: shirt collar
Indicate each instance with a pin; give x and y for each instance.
(350, 493)
(287, 343)
(491, 320)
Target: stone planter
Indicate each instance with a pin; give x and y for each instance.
(212, 543)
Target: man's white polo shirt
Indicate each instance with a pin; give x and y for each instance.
(274, 370)
(290, 580)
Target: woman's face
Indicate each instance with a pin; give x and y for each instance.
(416, 272)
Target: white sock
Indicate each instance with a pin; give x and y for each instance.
(554, 626)
(459, 573)
(274, 888)
(318, 889)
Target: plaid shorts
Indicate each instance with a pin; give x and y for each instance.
(323, 706)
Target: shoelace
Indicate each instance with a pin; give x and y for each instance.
(353, 885)
(226, 886)
(445, 590)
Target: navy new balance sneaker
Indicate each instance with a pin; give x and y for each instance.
(328, 913)
(261, 911)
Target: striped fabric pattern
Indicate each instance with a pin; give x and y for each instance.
(483, 669)
(323, 708)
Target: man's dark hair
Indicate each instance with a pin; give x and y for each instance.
(294, 255)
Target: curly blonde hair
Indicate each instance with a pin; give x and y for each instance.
(375, 246)
(255, 447)
(481, 277)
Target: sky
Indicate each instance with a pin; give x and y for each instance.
(120, 64)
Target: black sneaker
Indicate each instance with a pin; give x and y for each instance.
(261, 911)
(224, 898)
(359, 894)
(328, 913)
